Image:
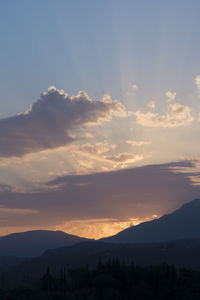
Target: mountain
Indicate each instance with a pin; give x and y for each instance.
(34, 243)
(183, 223)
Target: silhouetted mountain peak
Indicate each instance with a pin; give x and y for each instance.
(183, 223)
(189, 206)
(35, 242)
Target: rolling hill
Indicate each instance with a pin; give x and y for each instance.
(34, 243)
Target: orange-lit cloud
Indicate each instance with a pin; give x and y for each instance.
(124, 157)
(170, 95)
(137, 143)
(177, 115)
(151, 104)
(77, 158)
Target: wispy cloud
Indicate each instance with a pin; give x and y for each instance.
(151, 104)
(177, 115)
(97, 148)
(197, 82)
(170, 95)
(137, 143)
(5, 211)
(125, 157)
(135, 87)
(133, 90)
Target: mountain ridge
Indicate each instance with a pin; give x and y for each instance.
(35, 242)
(168, 227)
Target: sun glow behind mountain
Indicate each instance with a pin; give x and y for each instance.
(99, 228)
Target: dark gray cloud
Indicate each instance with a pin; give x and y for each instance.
(50, 121)
(138, 192)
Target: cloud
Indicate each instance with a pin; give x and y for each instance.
(80, 157)
(100, 157)
(125, 157)
(126, 194)
(97, 148)
(197, 82)
(88, 135)
(4, 188)
(170, 95)
(151, 104)
(177, 115)
(135, 87)
(137, 143)
(15, 211)
(50, 121)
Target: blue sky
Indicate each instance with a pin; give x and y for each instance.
(137, 63)
(97, 46)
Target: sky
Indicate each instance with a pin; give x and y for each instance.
(99, 113)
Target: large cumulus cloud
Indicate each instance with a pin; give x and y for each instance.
(50, 121)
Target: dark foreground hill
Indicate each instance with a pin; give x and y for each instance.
(34, 243)
(111, 281)
(178, 252)
(182, 253)
(183, 223)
